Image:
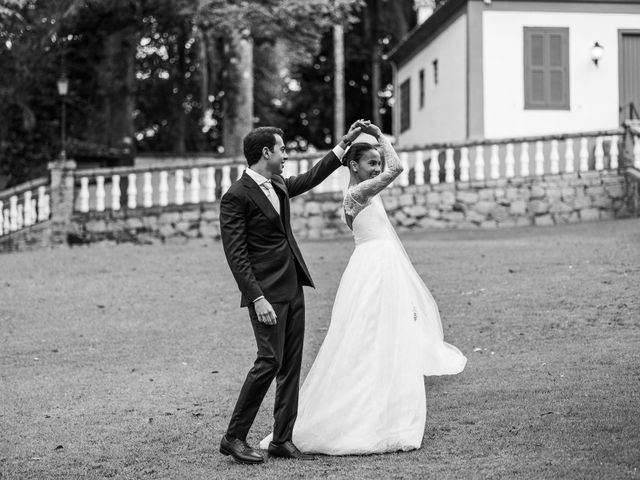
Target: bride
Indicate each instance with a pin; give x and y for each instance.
(365, 391)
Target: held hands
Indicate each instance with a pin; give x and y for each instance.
(265, 312)
(372, 129)
(358, 127)
(354, 130)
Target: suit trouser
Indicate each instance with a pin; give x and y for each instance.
(279, 356)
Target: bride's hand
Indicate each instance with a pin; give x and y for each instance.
(354, 130)
(372, 129)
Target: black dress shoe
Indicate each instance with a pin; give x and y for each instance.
(288, 450)
(239, 450)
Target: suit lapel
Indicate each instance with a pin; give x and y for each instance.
(260, 199)
(283, 195)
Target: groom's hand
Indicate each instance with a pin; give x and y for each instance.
(265, 312)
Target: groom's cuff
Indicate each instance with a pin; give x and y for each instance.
(338, 151)
(261, 296)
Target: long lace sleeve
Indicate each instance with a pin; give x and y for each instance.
(367, 189)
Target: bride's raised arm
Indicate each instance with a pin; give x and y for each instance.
(367, 189)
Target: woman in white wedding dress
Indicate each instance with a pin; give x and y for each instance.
(365, 391)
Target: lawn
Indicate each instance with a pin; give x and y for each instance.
(125, 361)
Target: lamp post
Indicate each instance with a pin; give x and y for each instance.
(63, 90)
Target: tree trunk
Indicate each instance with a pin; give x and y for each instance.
(118, 86)
(338, 83)
(179, 115)
(375, 61)
(238, 98)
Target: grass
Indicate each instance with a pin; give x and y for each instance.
(125, 361)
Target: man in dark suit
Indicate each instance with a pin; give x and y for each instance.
(267, 265)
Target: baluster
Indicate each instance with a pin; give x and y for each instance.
(539, 158)
(163, 188)
(147, 190)
(418, 169)
(28, 215)
(226, 178)
(464, 164)
(179, 188)
(599, 154)
(239, 171)
(211, 184)
(403, 179)
(322, 187)
(494, 162)
(42, 206)
(7, 221)
(293, 168)
(304, 166)
(13, 213)
(636, 152)
(613, 152)
(584, 155)
(132, 191)
(510, 162)
(569, 156)
(34, 211)
(19, 217)
(434, 168)
(335, 181)
(100, 193)
(84, 194)
(449, 166)
(1, 218)
(479, 162)
(115, 192)
(524, 159)
(195, 185)
(554, 158)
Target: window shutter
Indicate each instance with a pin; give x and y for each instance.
(556, 69)
(405, 105)
(546, 68)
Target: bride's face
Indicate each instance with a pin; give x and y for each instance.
(369, 166)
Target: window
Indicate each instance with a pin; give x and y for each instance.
(546, 68)
(435, 72)
(421, 88)
(405, 105)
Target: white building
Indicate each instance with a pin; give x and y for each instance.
(511, 68)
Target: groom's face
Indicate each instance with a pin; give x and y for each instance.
(277, 157)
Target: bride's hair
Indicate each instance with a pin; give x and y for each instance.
(355, 152)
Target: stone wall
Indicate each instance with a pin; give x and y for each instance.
(549, 200)
(171, 224)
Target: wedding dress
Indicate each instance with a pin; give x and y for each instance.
(365, 391)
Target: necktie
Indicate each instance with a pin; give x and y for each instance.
(272, 195)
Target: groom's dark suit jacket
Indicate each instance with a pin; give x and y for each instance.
(263, 255)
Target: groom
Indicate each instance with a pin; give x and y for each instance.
(267, 265)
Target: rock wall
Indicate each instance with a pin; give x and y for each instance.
(549, 200)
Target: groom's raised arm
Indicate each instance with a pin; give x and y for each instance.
(316, 175)
(234, 241)
(325, 167)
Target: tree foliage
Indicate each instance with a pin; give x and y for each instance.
(154, 75)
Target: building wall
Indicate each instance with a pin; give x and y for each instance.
(594, 91)
(443, 117)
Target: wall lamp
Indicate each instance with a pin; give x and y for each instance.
(596, 52)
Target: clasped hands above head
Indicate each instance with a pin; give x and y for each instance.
(361, 126)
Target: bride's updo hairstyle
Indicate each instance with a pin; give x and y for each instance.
(355, 152)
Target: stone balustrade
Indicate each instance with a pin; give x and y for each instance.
(485, 184)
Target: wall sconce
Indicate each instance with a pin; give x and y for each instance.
(596, 52)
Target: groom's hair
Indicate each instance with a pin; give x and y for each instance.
(257, 139)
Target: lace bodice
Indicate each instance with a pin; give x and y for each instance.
(358, 196)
